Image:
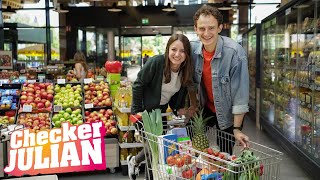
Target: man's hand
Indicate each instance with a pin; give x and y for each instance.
(241, 137)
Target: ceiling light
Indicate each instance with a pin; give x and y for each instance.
(114, 8)
(169, 8)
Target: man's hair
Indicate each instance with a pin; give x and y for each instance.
(208, 10)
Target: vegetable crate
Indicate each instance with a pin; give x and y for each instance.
(223, 160)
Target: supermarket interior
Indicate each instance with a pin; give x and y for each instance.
(42, 94)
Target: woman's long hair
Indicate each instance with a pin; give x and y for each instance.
(79, 57)
(186, 68)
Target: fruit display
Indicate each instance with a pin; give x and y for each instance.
(34, 121)
(71, 76)
(6, 120)
(38, 95)
(104, 115)
(97, 94)
(74, 117)
(9, 98)
(68, 95)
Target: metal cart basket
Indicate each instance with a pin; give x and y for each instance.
(193, 164)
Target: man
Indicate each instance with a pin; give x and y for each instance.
(221, 73)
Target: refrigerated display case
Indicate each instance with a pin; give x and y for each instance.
(251, 43)
(290, 87)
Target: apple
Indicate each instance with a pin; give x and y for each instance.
(109, 111)
(108, 102)
(113, 123)
(114, 130)
(23, 97)
(44, 95)
(37, 100)
(41, 86)
(47, 104)
(40, 105)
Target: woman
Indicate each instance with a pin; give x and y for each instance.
(81, 67)
(164, 80)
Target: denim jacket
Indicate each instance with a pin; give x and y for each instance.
(230, 79)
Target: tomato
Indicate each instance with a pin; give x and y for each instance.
(176, 156)
(187, 174)
(171, 160)
(210, 151)
(187, 159)
(113, 66)
(179, 162)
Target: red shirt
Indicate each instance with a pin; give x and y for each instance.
(207, 78)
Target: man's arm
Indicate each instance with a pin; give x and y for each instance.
(242, 138)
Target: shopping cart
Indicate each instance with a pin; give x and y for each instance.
(189, 163)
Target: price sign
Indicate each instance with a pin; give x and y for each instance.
(88, 106)
(22, 77)
(100, 78)
(32, 81)
(27, 108)
(87, 81)
(57, 108)
(61, 81)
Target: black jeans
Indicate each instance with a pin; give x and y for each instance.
(225, 141)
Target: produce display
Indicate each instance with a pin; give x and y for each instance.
(104, 115)
(74, 117)
(9, 99)
(6, 120)
(34, 121)
(97, 94)
(68, 95)
(38, 95)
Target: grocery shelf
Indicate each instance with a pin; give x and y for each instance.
(130, 145)
(126, 128)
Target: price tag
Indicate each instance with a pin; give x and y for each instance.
(57, 108)
(100, 78)
(87, 80)
(27, 108)
(32, 81)
(61, 81)
(88, 106)
(22, 77)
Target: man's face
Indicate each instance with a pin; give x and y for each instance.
(207, 29)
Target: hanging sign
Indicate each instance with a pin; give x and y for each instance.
(59, 150)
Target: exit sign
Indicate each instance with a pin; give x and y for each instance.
(145, 21)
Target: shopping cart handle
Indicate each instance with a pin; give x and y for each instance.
(135, 118)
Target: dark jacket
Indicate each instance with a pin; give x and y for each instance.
(146, 90)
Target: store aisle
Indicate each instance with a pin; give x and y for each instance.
(289, 168)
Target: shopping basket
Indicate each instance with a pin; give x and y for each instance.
(189, 163)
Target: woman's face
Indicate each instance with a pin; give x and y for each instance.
(176, 53)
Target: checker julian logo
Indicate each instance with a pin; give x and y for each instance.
(58, 150)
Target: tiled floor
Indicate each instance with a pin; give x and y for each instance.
(289, 170)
